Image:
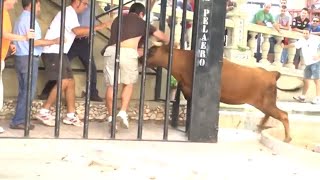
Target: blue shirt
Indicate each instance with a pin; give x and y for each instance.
(315, 29)
(84, 17)
(21, 27)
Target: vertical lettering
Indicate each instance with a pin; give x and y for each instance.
(203, 45)
(202, 53)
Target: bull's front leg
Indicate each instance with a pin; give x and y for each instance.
(262, 125)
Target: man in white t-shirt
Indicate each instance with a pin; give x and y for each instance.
(309, 48)
(51, 60)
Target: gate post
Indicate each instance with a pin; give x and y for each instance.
(210, 28)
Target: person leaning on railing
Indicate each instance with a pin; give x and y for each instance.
(284, 20)
(299, 23)
(264, 18)
(7, 37)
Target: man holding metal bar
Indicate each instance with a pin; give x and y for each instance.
(80, 48)
(21, 61)
(7, 37)
(51, 60)
(132, 29)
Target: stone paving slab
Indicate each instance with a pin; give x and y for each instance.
(238, 155)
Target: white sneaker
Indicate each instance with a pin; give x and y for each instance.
(122, 116)
(46, 118)
(316, 101)
(73, 121)
(110, 121)
(1, 130)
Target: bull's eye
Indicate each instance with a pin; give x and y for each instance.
(152, 51)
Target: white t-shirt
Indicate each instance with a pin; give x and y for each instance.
(309, 48)
(54, 31)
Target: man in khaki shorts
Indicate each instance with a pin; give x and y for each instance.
(133, 28)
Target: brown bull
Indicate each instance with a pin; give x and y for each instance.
(239, 84)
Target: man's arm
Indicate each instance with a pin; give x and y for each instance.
(161, 36)
(276, 26)
(289, 45)
(315, 33)
(15, 37)
(84, 31)
(46, 42)
(297, 30)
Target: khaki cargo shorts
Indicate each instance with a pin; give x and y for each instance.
(128, 70)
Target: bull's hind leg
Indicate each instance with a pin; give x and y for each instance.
(282, 116)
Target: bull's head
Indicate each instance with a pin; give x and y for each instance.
(157, 56)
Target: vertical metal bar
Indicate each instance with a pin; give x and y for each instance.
(116, 74)
(1, 26)
(59, 83)
(143, 74)
(167, 104)
(183, 24)
(207, 71)
(195, 24)
(193, 45)
(162, 27)
(30, 70)
(176, 103)
(188, 117)
(88, 84)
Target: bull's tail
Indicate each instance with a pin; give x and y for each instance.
(277, 75)
(295, 89)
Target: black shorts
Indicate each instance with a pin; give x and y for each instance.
(51, 64)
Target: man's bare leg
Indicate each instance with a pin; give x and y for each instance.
(53, 94)
(126, 96)
(317, 83)
(109, 98)
(305, 86)
(70, 96)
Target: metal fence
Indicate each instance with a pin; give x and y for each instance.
(202, 113)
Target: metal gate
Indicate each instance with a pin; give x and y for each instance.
(207, 44)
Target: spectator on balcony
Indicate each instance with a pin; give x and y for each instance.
(309, 47)
(80, 49)
(133, 28)
(299, 23)
(21, 60)
(51, 59)
(6, 37)
(314, 26)
(284, 20)
(265, 18)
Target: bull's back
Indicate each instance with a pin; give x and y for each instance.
(241, 84)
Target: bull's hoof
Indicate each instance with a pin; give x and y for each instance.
(287, 140)
(261, 128)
